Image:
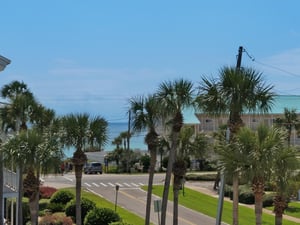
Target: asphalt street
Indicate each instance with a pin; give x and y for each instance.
(130, 196)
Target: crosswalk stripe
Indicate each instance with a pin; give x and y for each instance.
(95, 184)
(141, 184)
(87, 184)
(103, 184)
(120, 185)
(126, 184)
(111, 184)
(134, 184)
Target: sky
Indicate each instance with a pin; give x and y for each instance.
(93, 56)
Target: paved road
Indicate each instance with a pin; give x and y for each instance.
(129, 196)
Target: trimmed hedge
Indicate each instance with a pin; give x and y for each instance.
(62, 196)
(103, 216)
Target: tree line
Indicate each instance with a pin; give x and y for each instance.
(35, 137)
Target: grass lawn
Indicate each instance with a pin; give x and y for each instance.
(208, 205)
(292, 210)
(126, 216)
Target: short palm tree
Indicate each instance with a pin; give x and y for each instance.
(146, 116)
(78, 129)
(289, 121)
(285, 164)
(261, 150)
(174, 97)
(235, 92)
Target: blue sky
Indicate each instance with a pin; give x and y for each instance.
(92, 56)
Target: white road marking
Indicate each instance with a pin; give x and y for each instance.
(87, 184)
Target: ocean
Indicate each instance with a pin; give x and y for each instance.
(114, 130)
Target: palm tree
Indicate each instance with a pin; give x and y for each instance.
(261, 149)
(235, 92)
(117, 153)
(174, 97)
(77, 131)
(36, 150)
(146, 115)
(15, 116)
(289, 121)
(285, 164)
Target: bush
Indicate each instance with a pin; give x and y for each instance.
(55, 207)
(86, 206)
(268, 199)
(246, 197)
(47, 192)
(120, 223)
(103, 216)
(201, 177)
(62, 196)
(56, 219)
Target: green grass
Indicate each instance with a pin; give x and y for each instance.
(126, 216)
(292, 210)
(208, 205)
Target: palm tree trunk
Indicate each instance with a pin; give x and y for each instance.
(168, 178)
(175, 208)
(235, 202)
(150, 185)
(34, 200)
(1, 187)
(279, 207)
(20, 196)
(258, 190)
(78, 176)
(176, 187)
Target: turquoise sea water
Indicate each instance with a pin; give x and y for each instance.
(114, 130)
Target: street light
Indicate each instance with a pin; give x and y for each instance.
(3, 62)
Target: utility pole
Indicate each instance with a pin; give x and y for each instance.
(239, 58)
(222, 181)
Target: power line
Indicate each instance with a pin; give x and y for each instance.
(270, 66)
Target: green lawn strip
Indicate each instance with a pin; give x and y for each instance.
(126, 216)
(208, 205)
(292, 210)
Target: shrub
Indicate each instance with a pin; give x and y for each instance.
(86, 206)
(120, 223)
(47, 192)
(103, 216)
(268, 199)
(246, 197)
(200, 177)
(55, 219)
(55, 207)
(62, 196)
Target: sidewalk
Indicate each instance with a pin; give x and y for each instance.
(208, 189)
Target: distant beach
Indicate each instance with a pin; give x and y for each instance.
(114, 130)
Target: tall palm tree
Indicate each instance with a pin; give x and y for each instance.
(15, 116)
(36, 150)
(235, 92)
(174, 97)
(146, 115)
(77, 131)
(45, 149)
(260, 149)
